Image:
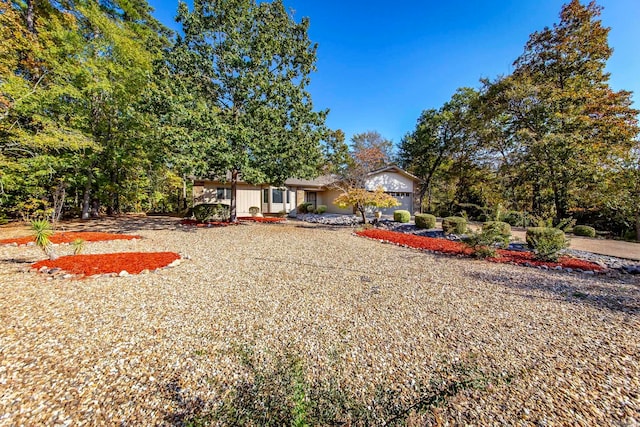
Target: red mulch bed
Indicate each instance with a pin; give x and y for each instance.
(267, 219)
(196, 223)
(89, 265)
(70, 236)
(458, 248)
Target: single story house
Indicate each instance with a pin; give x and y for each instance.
(320, 191)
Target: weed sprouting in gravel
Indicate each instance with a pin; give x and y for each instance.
(277, 390)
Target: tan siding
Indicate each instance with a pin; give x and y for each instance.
(247, 196)
(328, 197)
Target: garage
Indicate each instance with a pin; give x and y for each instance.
(404, 198)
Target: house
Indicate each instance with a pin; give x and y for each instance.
(320, 191)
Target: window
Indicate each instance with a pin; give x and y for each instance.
(265, 195)
(223, 193)
(276, 193)
(288, 196)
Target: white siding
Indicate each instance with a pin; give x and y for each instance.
(390, 181)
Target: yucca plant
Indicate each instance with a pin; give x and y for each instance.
(78, 246)
(42, 232)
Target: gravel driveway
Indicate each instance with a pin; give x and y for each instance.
(270, 321)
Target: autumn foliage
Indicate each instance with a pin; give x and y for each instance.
(361, 199)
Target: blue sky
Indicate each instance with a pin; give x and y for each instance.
(380, 63)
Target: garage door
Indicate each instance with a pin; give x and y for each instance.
(404, 199)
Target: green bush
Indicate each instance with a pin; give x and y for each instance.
(486, 242)
(401, 216)
(500, 228)
(321, 209)
(425, 221)
(302, 208)
(254, 210)
(515, 218)
(546, 242)
(584, 230)
(454, 225)
(211, 212)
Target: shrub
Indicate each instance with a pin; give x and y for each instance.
(321, 209)
(42, 232)
(306, 207)
(485, 242)
(584, 230)
(500, 228)
(425, 221)
(211, 211)
(546, 242)
(78, 246)
(254, 210)
(454, 225)
(515, 218)
(401, 216)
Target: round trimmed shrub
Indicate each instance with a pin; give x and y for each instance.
(500, 228)
(546, 242)
(427, 221)
(321, 209)
(401, 216)
(454, 225)
(584, 230)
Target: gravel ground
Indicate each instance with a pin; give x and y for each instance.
(366, 333)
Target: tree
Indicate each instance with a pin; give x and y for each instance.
(72, 76)
(361, 199)
(335, 152)
(442, 137)
(563, 114)
(248, 66)
(371, 151)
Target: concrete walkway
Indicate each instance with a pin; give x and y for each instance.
(616, 248)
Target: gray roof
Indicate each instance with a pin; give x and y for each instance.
(321, 181)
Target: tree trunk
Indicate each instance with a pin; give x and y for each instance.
(86, 197)
(638, 225)
(364, 218)
(31, 16)
(233, 215)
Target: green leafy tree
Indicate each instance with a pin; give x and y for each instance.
(71, 79)
(247, 65)
(565, 118)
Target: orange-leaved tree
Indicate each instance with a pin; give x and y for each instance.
(361, 199)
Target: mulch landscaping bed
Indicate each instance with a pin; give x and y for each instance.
(262, 219)
(89, 265)
(197, 223)
(458, 248)
(70, 236)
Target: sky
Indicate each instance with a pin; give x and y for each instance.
(381, 63)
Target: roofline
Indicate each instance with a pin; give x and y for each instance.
(397, 169)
